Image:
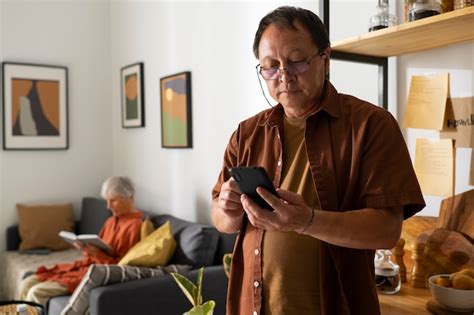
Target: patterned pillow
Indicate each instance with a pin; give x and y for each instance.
(99, 275)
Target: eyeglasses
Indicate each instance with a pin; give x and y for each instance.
(293, 68)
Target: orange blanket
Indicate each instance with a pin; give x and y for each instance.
(121, 233)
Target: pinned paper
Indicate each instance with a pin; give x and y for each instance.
(434, 166)
(426, 102)
(459, 122)
(471, 176)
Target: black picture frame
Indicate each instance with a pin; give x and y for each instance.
(35, 106)
(132, 87)
(176, 111)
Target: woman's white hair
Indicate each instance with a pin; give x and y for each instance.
(117, 186)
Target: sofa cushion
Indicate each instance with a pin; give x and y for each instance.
(154, 250)
(196, 243)
(57, 304)
(93, 215)
(39, 225)
(146, 228)
(100, 275)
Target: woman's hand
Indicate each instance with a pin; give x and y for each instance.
(88, 250)
(290, 211)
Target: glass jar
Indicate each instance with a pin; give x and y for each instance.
(383, 18)
(387, 273)
(420, 9)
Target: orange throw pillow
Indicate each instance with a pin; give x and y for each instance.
(39, 225)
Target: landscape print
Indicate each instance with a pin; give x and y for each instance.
(176, 111)
(131, 96)
(133, 91)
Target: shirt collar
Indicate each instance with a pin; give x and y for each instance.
(330, 104)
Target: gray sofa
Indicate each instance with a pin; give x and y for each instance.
(197, 245)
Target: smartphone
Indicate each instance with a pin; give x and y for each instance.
(251, 177)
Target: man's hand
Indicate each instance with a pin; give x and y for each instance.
(290, 211)
(227, 211)
(229, 199)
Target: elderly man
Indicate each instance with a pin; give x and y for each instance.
(120, 232)
(345, 182)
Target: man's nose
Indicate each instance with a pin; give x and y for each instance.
(285, 76)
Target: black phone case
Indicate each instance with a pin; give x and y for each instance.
(249, 178)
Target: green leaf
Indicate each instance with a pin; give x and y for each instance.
(199, 286)
(205, 309)
(188, 288)
(227, 260)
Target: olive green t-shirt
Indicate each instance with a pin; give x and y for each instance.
(290, 261)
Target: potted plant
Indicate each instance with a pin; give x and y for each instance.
(194, 294)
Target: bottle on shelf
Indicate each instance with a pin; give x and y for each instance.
(387, 273)
(383, 18)
(420, 9)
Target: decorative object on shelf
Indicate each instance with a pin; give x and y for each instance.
(387, 276)
(420, 9)
(35, 107)
(447, 5)
(194, 294)
(460, 4)
(176, 122)
(383, 18)
(406, 9)
(133, 95)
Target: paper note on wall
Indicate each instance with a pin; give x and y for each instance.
(426, 102)
(471, 176)
(459, 122)
(434, 166)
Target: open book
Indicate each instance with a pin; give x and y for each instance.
(85, 239)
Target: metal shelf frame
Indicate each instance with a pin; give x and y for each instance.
(381, 62)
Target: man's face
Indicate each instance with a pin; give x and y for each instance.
(280, 47)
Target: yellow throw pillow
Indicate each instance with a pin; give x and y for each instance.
(154, 250)
(39, 225)
(146, 229)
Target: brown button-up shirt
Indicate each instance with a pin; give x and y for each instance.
(358, 160)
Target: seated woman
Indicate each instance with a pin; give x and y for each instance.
(121, 231)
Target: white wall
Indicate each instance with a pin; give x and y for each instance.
(214, 41)
(74, 34)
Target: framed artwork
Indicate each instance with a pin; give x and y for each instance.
(176, 122)
(133, 96)
(35, 107)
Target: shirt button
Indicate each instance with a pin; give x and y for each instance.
(256, 251)
(256, 284)
(255, 313)
(279, 163)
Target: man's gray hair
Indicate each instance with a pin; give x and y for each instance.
(117, 186)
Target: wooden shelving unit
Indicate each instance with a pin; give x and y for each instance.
(437, 31)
